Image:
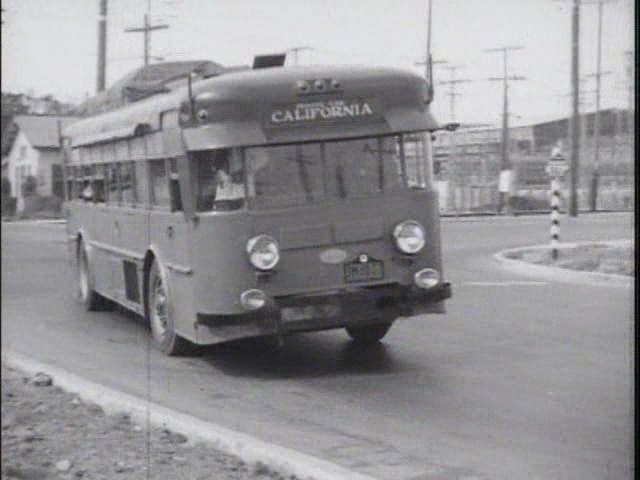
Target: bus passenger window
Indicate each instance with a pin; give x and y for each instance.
(87, 192)
(113, 189)
(127, 183)
(174, 186)
(141, 184)
(70, 183)
(99, 184)
(356, 167)
(219, 177)
(284, 176)
(417, 159)
(392, 163)
(159, 184)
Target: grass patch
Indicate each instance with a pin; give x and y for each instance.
(600, 258)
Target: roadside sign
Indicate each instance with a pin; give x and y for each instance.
(557, 165)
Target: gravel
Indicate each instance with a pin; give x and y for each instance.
(48, 433)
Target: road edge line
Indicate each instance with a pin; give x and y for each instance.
(249, 449)
(565, 274)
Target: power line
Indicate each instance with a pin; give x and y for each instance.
(452, 94)
(505, 164)
(146, 29)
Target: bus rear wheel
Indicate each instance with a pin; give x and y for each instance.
(160, 315)
(91, 299)
(368, 334)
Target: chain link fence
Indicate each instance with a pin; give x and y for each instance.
(468, 179)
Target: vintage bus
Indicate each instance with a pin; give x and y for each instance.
(260, 203)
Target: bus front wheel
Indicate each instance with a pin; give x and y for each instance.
(160, 315)
(368, 334)
(91, 299)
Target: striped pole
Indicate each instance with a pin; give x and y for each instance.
(555, 216)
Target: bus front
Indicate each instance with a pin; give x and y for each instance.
(313, 202)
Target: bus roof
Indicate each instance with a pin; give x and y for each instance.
(274, 105)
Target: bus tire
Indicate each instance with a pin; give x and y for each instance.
(368, 334)
(91, 299)
(160, 315)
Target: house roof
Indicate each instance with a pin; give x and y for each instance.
(42, 130)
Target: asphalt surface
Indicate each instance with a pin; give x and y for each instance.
(522, 378)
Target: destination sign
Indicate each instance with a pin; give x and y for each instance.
(328, 110)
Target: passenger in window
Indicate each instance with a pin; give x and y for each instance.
(229, 180)
(87, 193)
(223, 188)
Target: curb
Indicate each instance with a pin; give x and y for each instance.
(43, 221)
(245, 447)
(564, 274)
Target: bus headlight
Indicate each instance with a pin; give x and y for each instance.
(253, 299)
(409, 236)
(263, 252)
(426, 278)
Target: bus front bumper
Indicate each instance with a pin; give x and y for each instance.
(312, 312)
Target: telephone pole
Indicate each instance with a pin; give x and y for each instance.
(452, 94)
(575, 118)
(505, 163)
(102, 47)
(596, 129)
(146, 29)
(630, 71)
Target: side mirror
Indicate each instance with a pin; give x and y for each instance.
(452, 126)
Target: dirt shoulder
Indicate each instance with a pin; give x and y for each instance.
(48, 433)
(612, 258)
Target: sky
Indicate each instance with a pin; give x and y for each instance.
(50, 47)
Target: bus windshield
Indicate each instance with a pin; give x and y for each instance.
(299, 174)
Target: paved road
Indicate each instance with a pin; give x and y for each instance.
(520, 379)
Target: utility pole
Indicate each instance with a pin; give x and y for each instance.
(452, 82)
(452, 94)
(146, 30)
(575, 140)
(102, 47)
(630, 71)
(505, 163)
(596, 129)
(504, 184)
(295, 51)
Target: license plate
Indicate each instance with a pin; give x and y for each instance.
(360, 272)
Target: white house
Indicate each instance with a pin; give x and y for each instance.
(36, 151)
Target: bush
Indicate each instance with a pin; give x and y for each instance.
(37, 206)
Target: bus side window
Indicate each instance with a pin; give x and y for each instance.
(70, 182)
(87, 193)
(127, 183)
(113, 188)
(159, 183)
(141, 182)
(174, 186)
(204, 180)
(98, 184)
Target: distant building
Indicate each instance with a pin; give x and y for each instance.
(35, 151)
(467, 162)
